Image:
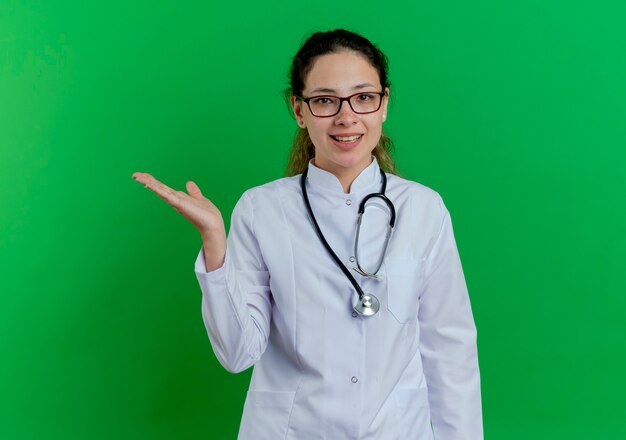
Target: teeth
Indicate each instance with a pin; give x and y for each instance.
(347, 138)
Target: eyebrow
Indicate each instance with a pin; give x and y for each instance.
(327, 90)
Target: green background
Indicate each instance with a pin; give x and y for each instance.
(515, 111)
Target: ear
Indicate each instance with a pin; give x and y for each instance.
(385, 102)
(296, 106)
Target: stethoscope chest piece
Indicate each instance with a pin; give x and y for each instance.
(367, 305)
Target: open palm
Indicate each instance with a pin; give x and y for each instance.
(198, 210)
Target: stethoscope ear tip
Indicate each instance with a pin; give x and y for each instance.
(360, 271)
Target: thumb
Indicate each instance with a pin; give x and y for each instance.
(193, 190)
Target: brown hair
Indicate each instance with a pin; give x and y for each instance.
(322, 43)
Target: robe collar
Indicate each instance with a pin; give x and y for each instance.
(368, 180)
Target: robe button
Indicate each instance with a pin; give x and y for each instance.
(354, 379)
(348, 202)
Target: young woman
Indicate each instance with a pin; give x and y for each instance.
(358, 326)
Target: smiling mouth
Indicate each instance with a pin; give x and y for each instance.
(347, 139)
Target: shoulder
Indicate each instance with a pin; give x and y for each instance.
(268, 198)
(414, 192)
(419, 205)
(273, 189)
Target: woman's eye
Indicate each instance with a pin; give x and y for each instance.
(366, 97)
(323, 100)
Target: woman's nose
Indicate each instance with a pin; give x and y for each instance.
(346, 114)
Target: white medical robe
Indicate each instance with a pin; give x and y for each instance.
(280, 303)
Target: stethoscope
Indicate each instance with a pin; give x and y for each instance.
(367, 304)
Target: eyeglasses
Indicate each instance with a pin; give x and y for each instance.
(325, 106)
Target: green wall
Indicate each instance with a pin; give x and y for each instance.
(515, 111)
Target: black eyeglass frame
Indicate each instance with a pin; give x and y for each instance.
(341, 100)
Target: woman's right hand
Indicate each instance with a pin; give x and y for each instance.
(199, 211)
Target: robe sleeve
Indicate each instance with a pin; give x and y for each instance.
(236, 299)
(448, 342)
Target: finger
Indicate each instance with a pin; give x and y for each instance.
(143, 178)
(150, 182)
(166, 193)
(163, 191)
(193, 190)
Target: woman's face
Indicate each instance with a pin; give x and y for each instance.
(344, 142)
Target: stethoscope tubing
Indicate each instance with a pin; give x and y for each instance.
(332, 253)
(334, 256)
